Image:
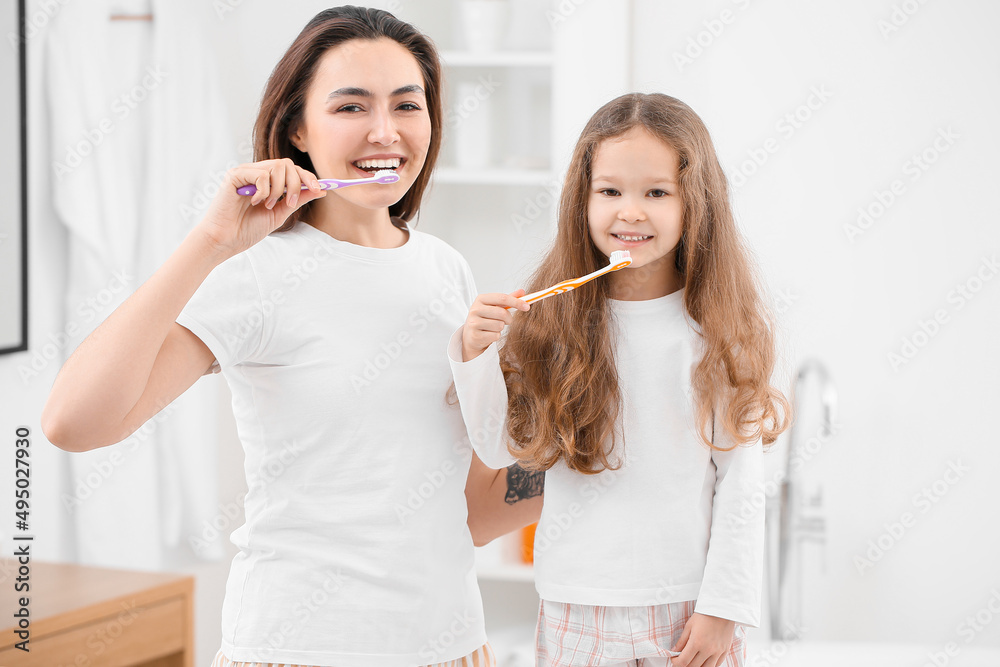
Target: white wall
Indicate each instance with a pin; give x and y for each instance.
(879, 99)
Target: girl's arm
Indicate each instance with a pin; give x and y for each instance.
(732, 581)
(501, 501)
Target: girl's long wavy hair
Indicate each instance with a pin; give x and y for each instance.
(284, 99)
(558, 359)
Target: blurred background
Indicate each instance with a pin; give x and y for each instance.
(859, 138)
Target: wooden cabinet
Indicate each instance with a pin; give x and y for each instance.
(96, 617)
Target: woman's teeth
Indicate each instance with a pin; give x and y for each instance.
(375, 165)
(631, 238)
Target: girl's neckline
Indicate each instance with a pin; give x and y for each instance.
(646, 305)
(359, 251)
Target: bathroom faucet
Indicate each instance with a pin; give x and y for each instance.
(792, 516)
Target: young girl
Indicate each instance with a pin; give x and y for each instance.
(310, 305)
(645, 397)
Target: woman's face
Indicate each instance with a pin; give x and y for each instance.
(366, 110)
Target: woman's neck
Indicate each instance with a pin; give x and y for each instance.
(371, 228)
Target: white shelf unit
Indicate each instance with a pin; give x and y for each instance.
(496, 207)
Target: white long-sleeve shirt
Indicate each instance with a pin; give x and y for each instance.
(672, 523)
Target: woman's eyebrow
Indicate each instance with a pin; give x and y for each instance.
(353, 91)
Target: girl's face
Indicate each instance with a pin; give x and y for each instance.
(365, 111)
(634, 205)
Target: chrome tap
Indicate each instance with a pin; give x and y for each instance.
(793, 518)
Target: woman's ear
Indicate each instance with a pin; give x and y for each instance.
(295, 136)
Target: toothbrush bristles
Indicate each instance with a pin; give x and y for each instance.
(621, 256)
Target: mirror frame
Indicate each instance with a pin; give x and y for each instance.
(22, 345)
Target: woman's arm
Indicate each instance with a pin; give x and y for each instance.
(139, 359)
(501, 501)
(136, 362)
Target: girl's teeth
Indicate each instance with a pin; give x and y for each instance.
(631, 238)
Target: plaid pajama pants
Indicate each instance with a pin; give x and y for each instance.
(481, 657)
(575, 635)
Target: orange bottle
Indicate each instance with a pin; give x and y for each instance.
(528, 543)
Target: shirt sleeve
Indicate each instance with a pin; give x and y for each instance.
(482, 395)
(226, 312)
(734, 570)
(469, 284)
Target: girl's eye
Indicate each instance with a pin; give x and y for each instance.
(350, 108)
(657, 193)
(409, 106)
(610, 192)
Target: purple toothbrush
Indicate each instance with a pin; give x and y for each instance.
(382, 176)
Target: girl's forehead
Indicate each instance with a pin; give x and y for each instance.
(635, 152)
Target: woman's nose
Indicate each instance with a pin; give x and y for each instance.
(383, 129)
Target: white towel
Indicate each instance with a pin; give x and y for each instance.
(138, 128)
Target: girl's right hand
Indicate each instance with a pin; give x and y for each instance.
(235, 222)
(488, 315)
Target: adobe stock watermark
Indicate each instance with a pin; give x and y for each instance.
(433, 650)
(229, 512)
(786, 127)
(418, 322)
(204, 195)
(784, 300)
(899, 16)
(561, 13)
(924, 500)
(967, 630)
(928, 329)
(223, 8)
(275, 466)
(700, 42)
(776, 651)
(306, 607)
(914, 167)
(470, 103)
(751, 507)
(296, 275)
(35, 22)
(87, 311)
(121, 107)
(536, 205)
(434, 480)
(560, 522)
(211, 529)
(116, 455)
(101, 639)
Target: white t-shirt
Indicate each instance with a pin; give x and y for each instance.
(355, 549)
(674, 522)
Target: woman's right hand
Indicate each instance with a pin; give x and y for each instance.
(235, 222)
(488, 315)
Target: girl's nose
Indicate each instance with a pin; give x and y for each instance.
(631, 211)
(383, 129)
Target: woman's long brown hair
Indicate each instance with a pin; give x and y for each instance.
(283, 103)
(558, 359)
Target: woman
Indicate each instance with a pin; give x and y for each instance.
(329, 317)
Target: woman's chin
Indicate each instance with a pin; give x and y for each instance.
(369, 195)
